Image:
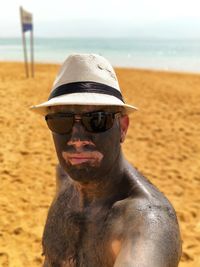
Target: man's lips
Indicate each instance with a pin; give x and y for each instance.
(93, 157)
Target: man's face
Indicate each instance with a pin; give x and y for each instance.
(85, 155)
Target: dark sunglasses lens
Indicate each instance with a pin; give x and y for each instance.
(98, 121)
(59, 124)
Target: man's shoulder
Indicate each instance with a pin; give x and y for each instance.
(143, 207)
(138, 216)
(146, 222)
(145, 202)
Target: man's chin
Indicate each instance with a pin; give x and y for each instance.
(83, 172)
(82, 166)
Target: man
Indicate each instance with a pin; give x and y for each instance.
(105, 213)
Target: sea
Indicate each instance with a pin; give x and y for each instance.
(159, 54)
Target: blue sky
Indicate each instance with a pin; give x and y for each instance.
(105, 18)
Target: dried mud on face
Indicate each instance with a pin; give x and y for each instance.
(163, 142)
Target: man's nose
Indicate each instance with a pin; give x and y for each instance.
(78, 132)
(79, 137)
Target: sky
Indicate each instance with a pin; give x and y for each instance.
(104, 18)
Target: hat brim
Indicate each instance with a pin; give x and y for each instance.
(82, 99)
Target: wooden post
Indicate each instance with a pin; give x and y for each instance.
(32, 54)
(24, 47)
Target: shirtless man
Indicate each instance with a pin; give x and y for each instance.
(105, 213)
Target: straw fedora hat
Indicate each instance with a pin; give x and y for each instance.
(85, 79)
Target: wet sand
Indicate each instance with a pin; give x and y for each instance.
(163, 142)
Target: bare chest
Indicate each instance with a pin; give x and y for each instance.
(74, 238)
(95, 242)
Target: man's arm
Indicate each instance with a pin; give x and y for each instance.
(152, 238)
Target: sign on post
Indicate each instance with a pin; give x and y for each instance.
(27, 25)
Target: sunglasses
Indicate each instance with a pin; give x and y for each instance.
(94, 122)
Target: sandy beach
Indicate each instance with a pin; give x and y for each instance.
(163, 142)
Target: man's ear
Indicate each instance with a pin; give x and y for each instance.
(124, 123)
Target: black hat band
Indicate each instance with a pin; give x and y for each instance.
(85, 87)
